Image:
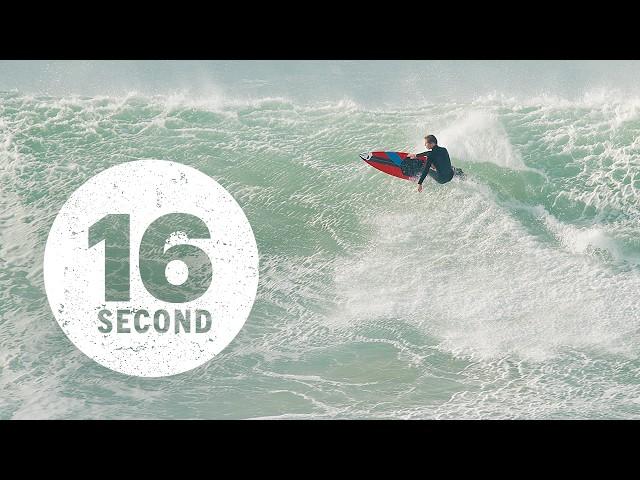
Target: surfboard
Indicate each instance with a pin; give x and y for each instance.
(398, 165)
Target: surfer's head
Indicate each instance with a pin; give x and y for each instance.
(430, 141)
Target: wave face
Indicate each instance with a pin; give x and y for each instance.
(512, 294)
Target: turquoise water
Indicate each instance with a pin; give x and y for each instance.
(509, 295)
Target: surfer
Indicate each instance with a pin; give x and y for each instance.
(439, 158)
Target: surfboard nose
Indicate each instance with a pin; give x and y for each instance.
(365, 156)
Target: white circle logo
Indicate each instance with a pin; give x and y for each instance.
(151, 268)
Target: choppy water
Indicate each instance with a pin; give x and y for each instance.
(510, 295)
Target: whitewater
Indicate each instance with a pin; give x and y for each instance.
(512, 294)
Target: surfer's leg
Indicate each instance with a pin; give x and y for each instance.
(411, 167)
(436, 176)
(458, 171)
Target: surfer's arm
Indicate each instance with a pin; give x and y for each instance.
(427, 166)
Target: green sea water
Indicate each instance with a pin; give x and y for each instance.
(512, 294)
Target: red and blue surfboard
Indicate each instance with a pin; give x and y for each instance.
(393, 163)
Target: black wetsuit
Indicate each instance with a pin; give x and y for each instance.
(439, 157)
